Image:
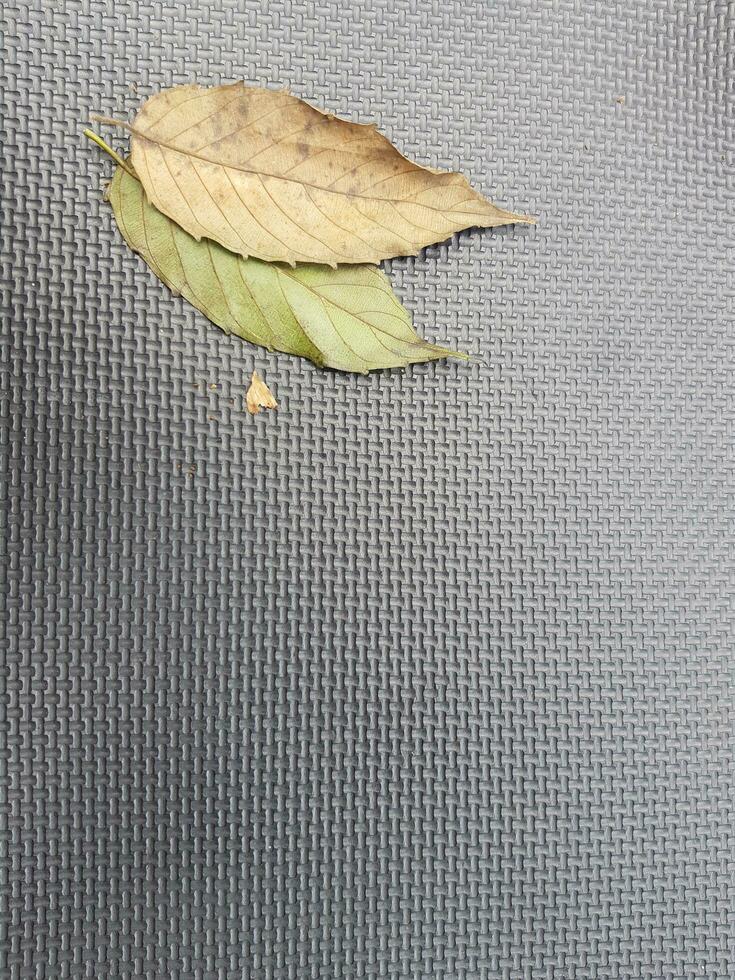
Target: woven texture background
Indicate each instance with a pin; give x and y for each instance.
(429, 674)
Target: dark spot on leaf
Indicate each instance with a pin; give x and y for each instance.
(218, 126)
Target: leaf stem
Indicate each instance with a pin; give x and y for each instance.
(90, 134)
(109, 121)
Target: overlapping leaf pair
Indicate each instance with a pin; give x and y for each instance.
(268, 216)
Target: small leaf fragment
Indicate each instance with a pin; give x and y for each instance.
(348, 319)
(259, 395)
(265, 174)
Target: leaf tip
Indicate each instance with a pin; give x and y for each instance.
(439, 351)
(510, 218)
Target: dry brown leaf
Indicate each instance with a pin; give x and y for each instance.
(267, 175)
(259, 395)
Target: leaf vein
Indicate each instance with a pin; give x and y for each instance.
(217, 205)
(300, 227)
(252, 215)
(356, 316)
(341, 335)
(392, 231)
(244, 126)
(336, 224)
(200, 122)
(259, 308)
(179, 188)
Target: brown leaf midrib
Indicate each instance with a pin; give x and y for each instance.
(303, 183)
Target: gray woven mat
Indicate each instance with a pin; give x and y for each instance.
(431, 673)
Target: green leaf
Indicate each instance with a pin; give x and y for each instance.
(346, 318)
